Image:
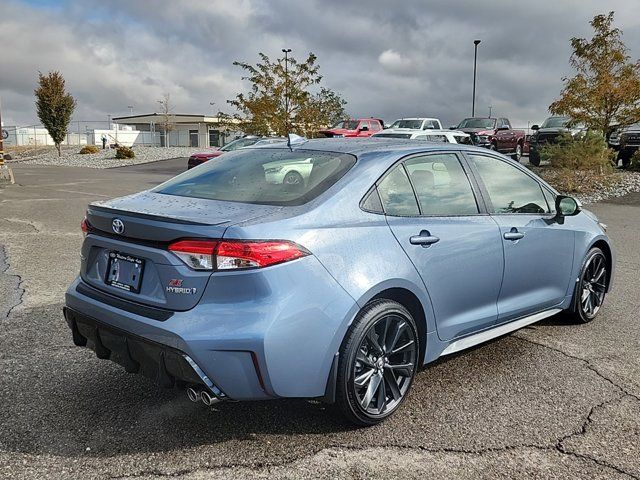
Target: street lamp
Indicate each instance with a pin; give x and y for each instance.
(475, 60)
(286, 52)
(130, 107)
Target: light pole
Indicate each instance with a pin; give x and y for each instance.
(130, 107)
(286, 52)
(475, 61)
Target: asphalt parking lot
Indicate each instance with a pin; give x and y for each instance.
(550, 401)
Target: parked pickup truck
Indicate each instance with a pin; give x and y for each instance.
(494, 133)
(363, 127)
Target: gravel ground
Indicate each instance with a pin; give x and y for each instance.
(106, 158)
(622, 183)
(552, 401)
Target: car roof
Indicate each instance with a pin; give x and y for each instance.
(361, 146)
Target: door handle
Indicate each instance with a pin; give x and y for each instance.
(424, 239)
(513, 234)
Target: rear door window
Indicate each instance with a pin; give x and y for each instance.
(263, 176)
(441, 185)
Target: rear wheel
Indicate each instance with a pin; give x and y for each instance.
(518, 153)
(378, 361)
(293, 178)
(591, 287)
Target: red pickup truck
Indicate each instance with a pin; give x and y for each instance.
(494, 133)
(362, 127)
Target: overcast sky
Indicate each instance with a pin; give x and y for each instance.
(387, 59)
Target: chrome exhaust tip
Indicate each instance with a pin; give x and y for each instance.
(208, 399)
(194, 394)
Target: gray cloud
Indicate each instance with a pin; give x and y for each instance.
(386, 59)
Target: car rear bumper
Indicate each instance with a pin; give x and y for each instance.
(256, 334)
(167, 367)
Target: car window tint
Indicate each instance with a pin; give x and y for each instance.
(441, 185)
(510, 190)
(268, 176)
(371, 202)
(396, 193)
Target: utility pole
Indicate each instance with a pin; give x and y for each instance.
(286, 52)
(1, 138)
(475, 61)
(490, 107)
(6, 174)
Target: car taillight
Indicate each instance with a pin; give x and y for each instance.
(85, 226)
(235, 254)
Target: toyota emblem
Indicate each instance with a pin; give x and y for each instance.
(117, 226)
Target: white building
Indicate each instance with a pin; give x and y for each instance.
(187, 130)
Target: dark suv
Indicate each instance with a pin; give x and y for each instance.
(548, 132)
(626, 142)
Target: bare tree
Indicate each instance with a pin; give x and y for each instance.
(166, 125)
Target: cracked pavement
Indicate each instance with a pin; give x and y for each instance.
(554, 400)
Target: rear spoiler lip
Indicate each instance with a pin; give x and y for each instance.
(164, 218)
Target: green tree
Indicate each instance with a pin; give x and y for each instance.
(605, 91)
(54, 106)
(284, 99)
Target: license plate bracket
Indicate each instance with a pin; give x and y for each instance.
(124, 272)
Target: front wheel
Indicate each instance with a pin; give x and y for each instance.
(378, 361)
(591, 287)
(534, 158)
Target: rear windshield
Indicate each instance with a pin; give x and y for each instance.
(413, 124)
(263, 175)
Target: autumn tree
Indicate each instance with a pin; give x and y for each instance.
(166, 122)
(605, 92)
(54, 106)
(284, 98)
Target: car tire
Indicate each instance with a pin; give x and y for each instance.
(517, 155)
(534, 158)
(493, 147)
(377, 363)
(591, 286)
(293, 178)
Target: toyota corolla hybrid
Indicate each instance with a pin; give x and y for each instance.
(388, 256)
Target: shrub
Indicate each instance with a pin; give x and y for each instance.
(125, 152)
(89, 149)
(580, 164)
(635, 161)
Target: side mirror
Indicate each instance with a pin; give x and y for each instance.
(567, 206)
(453, 127)
(364, 128)
(503, 127)
(535, 127)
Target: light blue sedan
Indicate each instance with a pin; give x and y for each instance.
(389, 255)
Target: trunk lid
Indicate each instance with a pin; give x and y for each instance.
(126, 254)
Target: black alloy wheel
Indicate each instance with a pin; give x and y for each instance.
(378, 362)
(591, 287)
